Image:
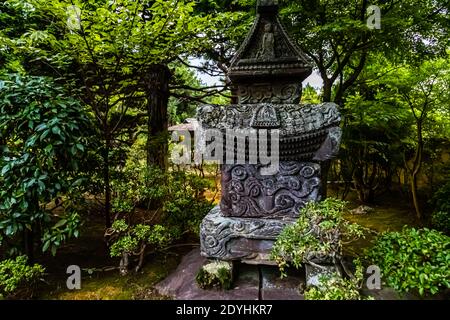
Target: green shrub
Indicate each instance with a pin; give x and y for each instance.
(44, 136)
(441, 199)
(177, 195)
(413, 260)
(317, 233)
(176, 203)
(132, 239)
(440, 220)
(17, 279)
(335, 287)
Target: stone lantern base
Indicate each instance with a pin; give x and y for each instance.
(249, 240)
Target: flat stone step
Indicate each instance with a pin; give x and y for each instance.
(275, 288)
(252, 283)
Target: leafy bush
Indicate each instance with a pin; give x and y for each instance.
(177, 195)
(42, 146)
(440, 218)
(317, 234)
(335, 287)
(413, 260)
(185, 206)
(132, 239)
(17, 279)
(128, 241)
(177, 203)
(441, 198)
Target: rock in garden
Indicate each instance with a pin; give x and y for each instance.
(362, 210)
(215, 274)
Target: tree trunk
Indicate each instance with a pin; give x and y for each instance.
(417, 165)
(141, 259)
(327, 86)
(123, 266)
(158, 100)
(415, 196)
(29, 245)
(107, 178)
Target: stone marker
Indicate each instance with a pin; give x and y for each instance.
(266, 75)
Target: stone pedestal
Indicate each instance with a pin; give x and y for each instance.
(247, 239)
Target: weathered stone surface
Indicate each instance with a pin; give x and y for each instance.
(251, 283)
(306, 132)
(247, 193)
(269, 52)
(181, 284)
(275, 288)
(230, 238)
(183, 278)
(274, 93)
(361, 210)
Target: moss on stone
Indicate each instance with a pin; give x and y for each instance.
(215, 275)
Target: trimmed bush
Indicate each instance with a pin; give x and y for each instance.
(317, 234)
(17, 278)
(413, 260)
(335, 288)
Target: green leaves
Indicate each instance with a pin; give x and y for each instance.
(16, 275)
(414, 259)
(65, 228)
(316, 233)
(177, 198)
(334, 287)
(38, 124)
(56, 130)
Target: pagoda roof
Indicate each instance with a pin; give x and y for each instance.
(268, 51)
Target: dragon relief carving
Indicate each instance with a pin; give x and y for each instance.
(247, 193)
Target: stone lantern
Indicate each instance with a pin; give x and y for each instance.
(266, 75)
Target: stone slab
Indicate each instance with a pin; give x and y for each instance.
(244, 239)
(275, 288)
(181, 284)
(251, 283)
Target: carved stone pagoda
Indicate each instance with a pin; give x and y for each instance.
(267, 74)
